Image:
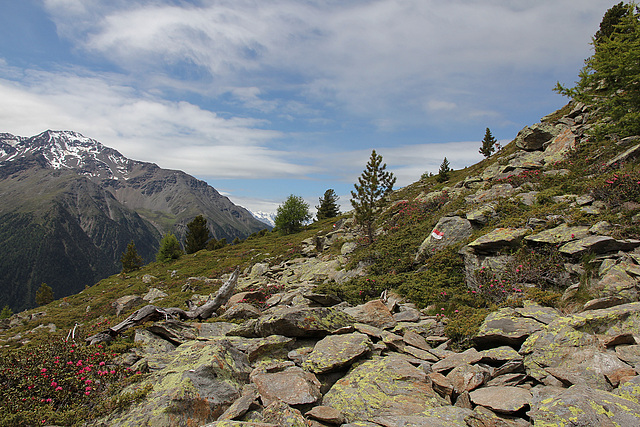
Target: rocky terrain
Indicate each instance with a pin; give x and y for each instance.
(295, 356)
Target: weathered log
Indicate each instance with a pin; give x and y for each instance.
(152, 313)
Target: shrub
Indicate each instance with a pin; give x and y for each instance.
(130, 259)
(169, 249)
(292, 214)
(617, 189)
(44, 294)
(463, 325)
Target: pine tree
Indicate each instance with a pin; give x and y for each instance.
(373, 185)
(197, 235)
(214, 244)
(6, 312)
(169, 249)
(328, 207)
(44, 294)
(130, 259)
(489, 144)
(443, 173)
(292, 214)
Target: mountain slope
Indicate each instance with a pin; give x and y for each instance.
(69, 206)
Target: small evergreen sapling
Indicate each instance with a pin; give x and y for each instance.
(328, 207)
(169, 249)
(373, 186)
(130, 259)
(489, 144)
(197, 235)
(445, 170)
(44, 294)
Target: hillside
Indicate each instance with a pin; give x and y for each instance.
(69, 206)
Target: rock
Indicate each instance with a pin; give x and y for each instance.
(174, 331)
(241, 405)
(631, 153)
(496, 192)
(373, 313)
(268, 346)
(597, 245)
(447, 416)
(441, 384)
(247, 297)
(506, 327)
(448, 231)
(281, 414)
(259, 269)
(534, 137)
(584, 406)
(336, 352)
(201, 380)
(605, 302)
(499, 355)
(326, 414)
(153, 295)
(557, 149)
(407, 315)
(296, 322)
(467, 377)
(618, 283)
(482, 215)
(292, 386)
(126, 303)
(151, 343)
(504, 400)
(498, 238)
(147, 278)
(457, 359)
(416, 340)
(242, 311)
(383, 387)
(540, 313)
(322, 299)
(559, 235)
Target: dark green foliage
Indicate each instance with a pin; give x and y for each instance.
(463, 324)
(444, 171)
(373, 186)
(610, 79)
(6, 312)
(170, 249)
(214, 243)
(328, 207)
(618, 188)
(489, 144)
(130, 259)
(197, 235)
(292, 214)
(236, 241)
(44, 294)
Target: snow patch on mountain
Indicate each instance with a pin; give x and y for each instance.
(266, 217)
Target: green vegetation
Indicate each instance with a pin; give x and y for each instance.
(44, 294)
(610, 79)
(292, 214)
(328, 207)
(374, 184)
(444, 171)
(6, 312)
(489, 144)
(197, 235)
(130, 259)
(169, 249)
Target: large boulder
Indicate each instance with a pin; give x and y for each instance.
(374, 313)
(498, 239)
(534, 137)
(292, 386)
(506, 327)
(448, 231)
(337, 351)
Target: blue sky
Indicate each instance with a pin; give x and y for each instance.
(263, 99)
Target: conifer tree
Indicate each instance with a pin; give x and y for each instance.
(373, 185)
(130, 259)
(169, 248)
(443, 173)
(292, 214)
(44, 294)
(489, 144)
(6, 312)
(197, 235)
(328, 207)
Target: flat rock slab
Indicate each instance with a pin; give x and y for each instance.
(457, 359)
(292, 386)
(326, 414)
(584, 406)
(337, 351)
(447, 416)
(467, 378)
(498, 238)
(504, 400)
(559, 235)
(373, 313)
(381, 387)
(598, 245)
(506, 327)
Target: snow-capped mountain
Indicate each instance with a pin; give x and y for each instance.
(266, 217)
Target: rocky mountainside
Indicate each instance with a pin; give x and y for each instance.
(540, 243)
(69, 206)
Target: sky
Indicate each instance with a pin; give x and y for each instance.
(266, 98)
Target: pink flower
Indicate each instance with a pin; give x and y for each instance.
(58, 388)
(54, 384)
(87, 393)
(43, 370)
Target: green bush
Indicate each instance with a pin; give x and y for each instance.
(170, 249)
(463, 325)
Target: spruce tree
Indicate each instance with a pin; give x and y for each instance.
(292, 214)
(197, 235)
(44, 294)
(6, 312)
(443, 173)
(328, 207)
(130, 259)
(373, 185)
(169, 249)
(489, 144)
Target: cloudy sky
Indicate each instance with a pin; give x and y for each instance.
(266, 98)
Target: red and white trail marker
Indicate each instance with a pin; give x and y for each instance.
(437, 234)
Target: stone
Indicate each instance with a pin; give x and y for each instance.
(504, 400)
(446, 416)
(618, 283)
(326, 414)
(604, 302)
(281, 414)
(506, 327)
(151, 343)
(296, 322)
(467, 378)
(496, 192)
(153, 295)
(174, 331)
(420, 354)
(557, 149)
(373, 313)
(631, 153)
(241, 311)
(335, 352)
(457, 359)
(498, 238)
(559, 235)
(537, 312)
(292, 386)
(416, 340)
(441, 384)
(499, 355)
(241, 405)
(268, 346)
(584, 406)
(407, 315)
(450, 231)
(382, 387)
(597, 245)
(482, 215)
(248, 297)
(534, 137)
(126, 303)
